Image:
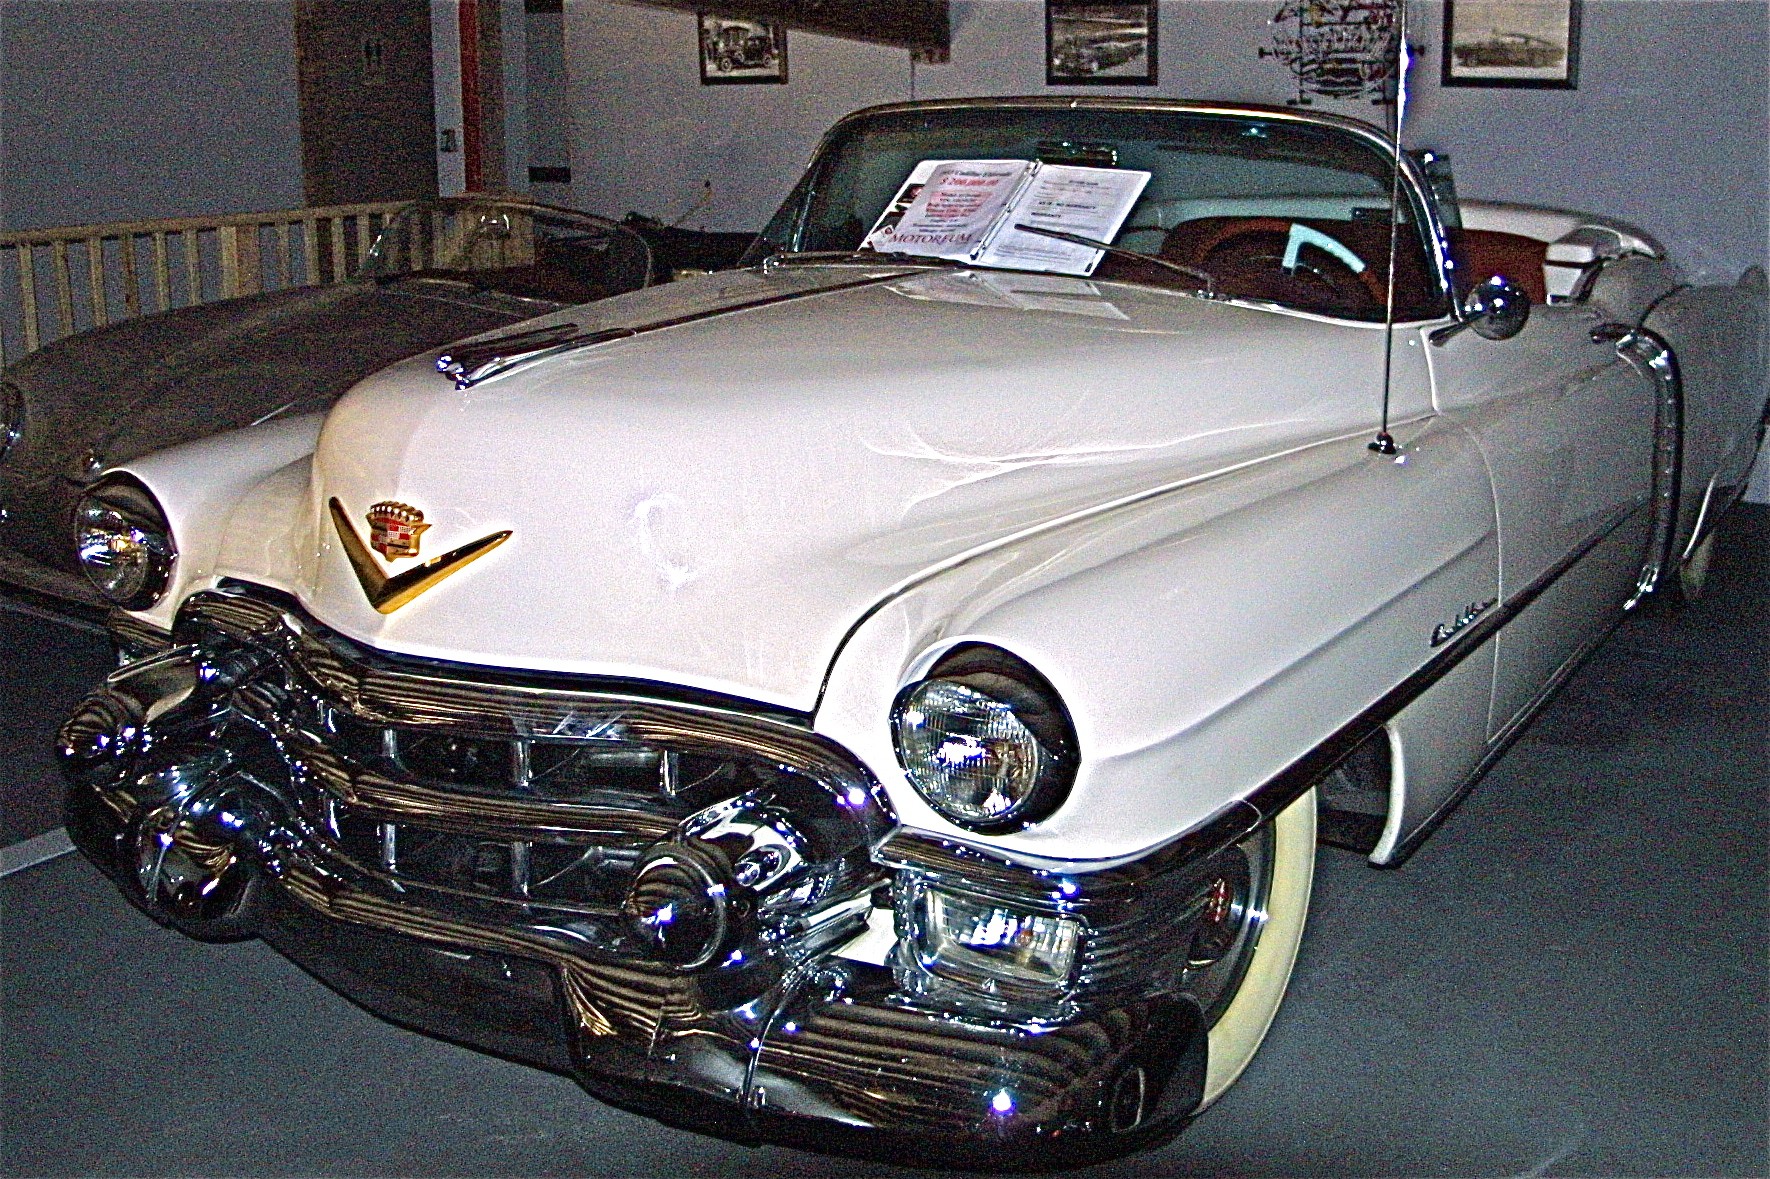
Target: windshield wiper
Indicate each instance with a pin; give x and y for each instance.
(1076, 239)
(1207, 282)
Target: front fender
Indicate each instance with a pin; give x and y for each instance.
(1203, 638)
(201, 484)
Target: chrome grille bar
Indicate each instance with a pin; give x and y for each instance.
(417, 695)
(540, 793)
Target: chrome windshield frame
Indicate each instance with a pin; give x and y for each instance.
(1417, 191)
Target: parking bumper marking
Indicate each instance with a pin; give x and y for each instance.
(39, 849)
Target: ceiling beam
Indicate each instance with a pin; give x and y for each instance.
(920, 25)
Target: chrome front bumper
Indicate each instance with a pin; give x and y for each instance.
(657, 894)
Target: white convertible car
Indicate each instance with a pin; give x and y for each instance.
(868, 700)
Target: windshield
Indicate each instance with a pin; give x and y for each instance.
(511, 247)
(1283, 212)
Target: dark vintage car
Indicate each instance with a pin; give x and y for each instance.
(739, 47)
(1510, 49)
(1091, 52)
(440, 270)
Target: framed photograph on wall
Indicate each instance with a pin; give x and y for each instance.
(734, 50)
(1512, 43)
(1088, 43)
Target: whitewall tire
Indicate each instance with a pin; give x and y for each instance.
(1693, 571)
(1242, 1024)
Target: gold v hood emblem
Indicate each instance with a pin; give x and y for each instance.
(388, 594)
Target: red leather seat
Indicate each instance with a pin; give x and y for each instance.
(1483, 253)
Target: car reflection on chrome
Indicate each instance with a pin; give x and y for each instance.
(879, 703)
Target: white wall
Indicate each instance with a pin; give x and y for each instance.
(128, 109)
(1670, 128)
(445, 62)
(445, 67)
(549, 118)
(513, 25)
(647, 136)
(1666, 128)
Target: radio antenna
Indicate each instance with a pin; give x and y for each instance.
(1384, 442)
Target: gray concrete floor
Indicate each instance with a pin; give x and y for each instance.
(1569, 979)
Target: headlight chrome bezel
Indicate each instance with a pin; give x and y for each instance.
(1030, 712)
(124, 542)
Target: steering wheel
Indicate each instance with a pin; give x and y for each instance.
(1273, 264)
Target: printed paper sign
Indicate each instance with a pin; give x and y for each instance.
(966, 210)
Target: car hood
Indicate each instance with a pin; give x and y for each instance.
(158, 380)
(717, 502)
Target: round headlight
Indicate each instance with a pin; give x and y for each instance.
(124, 542)
(12, 415)
(986, 740)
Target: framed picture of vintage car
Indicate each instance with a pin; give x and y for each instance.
(737, 51)
(1529, 43)
(1094, 44)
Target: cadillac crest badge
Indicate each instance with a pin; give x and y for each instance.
(394, 529)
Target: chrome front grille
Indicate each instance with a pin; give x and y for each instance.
(568, 876)
(469, 786)
(684, 886)
(533, 821)
(584, 770)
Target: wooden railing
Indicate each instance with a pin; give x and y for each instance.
(55, 282)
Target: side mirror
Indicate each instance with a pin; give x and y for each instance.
(1497, 309)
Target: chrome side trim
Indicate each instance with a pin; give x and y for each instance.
(1293, 781)
(1498, 747)
(1704, 524)
(1649, 354)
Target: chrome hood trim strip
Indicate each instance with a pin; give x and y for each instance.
(471, 363)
